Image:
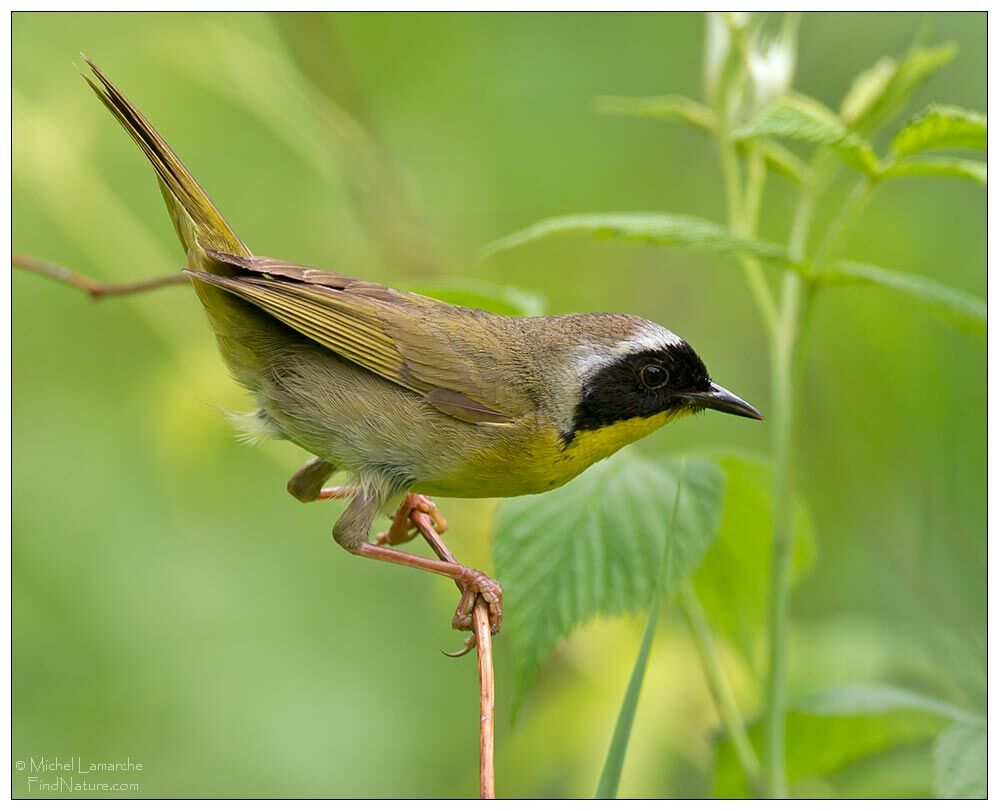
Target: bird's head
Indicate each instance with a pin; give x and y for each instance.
(633, 384)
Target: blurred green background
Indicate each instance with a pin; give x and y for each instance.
(173, 604)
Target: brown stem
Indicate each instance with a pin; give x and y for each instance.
(487, 677)
(487, 700)
(96, 290)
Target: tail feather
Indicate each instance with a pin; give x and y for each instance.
(240, 328)
(198, 222)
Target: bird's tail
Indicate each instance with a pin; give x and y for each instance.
(199, 224)
(238, 326)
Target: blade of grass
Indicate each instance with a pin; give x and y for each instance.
(610, 776)
(721, 692)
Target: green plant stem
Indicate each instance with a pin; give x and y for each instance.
(797, 299)
(756, 178)
(739, 224)
(743, 211)
(743, 215)
(756, 175)
(796, 295)
(721, 692)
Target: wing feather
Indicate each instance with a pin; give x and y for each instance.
(385, 331)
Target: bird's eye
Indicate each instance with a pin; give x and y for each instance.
(654, 376)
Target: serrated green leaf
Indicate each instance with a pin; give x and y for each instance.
(482, 295)
(610, 775)
(821, 745)
(942, 127)
(733, 583)
(592, 547)
(873, 699)
(962, 168)
(659, 229)
(801, 118)
(866, 89)
(671, 108)
(963, 310)
(910, 72)
(797, 117)
(959, 762)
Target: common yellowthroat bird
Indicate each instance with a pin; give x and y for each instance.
(411, 395)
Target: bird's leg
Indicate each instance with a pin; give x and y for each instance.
(404, 528)
(418, 515)
(472, 582)
(341, 491)
(307, 483)
(463, 613)
(351, 531)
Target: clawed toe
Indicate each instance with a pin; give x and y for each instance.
(467, 646)
(475, 585)
(403, 528)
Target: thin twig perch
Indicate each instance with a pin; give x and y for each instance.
(484, 653)
(487, 700)
(96, 290)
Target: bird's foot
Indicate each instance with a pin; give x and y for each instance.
(476, 584)
(403, 528)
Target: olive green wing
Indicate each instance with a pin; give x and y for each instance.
(419, 343)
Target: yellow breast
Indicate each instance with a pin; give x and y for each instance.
(588, 447)
(538, 459)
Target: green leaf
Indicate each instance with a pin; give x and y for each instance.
(801, 118)
(961, 309)
(482, 295)
(890, 84)
(592, 547)
(867, 88)
(941, 127)
(959, 762)
(873, 699)
(671, 108)
(962, 168)
(610, 776)
(820, 745)
(798, 118)
(659, 229)
(733, 583)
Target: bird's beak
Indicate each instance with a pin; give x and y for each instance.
(721, 399)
